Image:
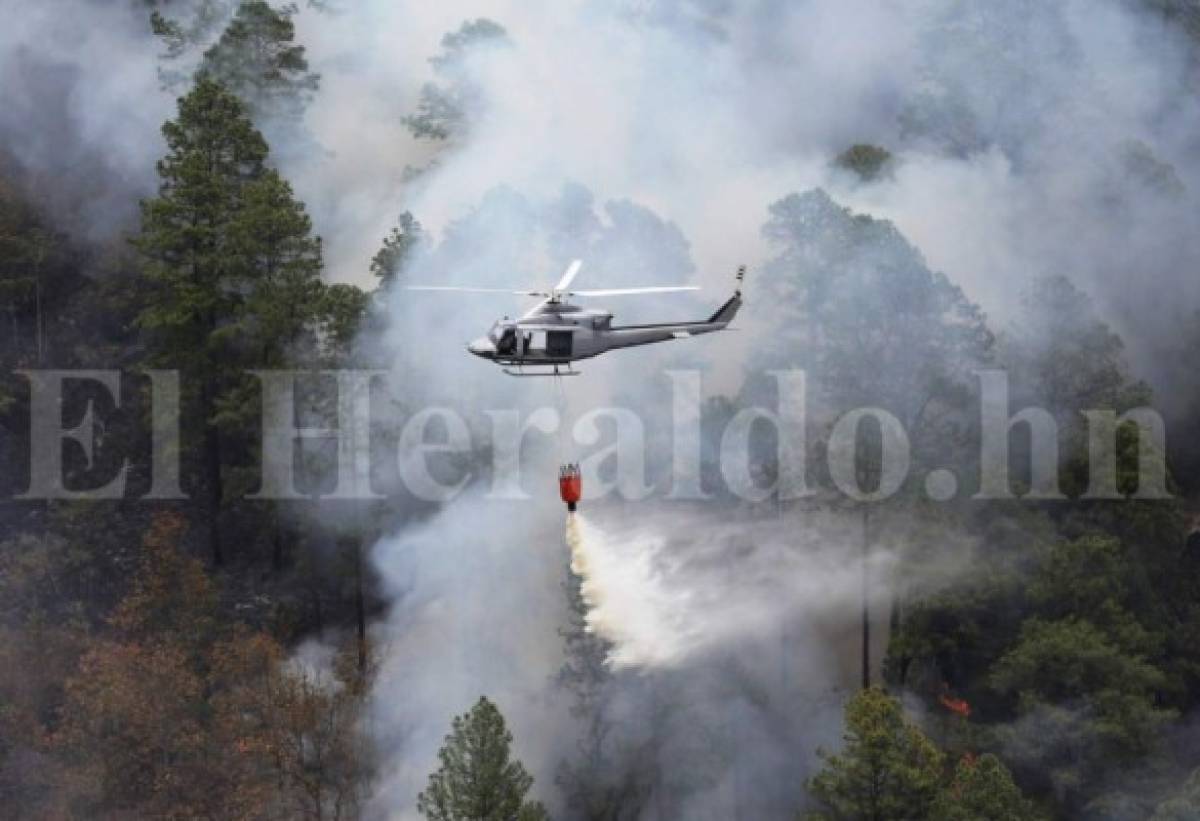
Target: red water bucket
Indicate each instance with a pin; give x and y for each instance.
(570, 485)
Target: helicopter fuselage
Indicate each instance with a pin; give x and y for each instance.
(557, 333)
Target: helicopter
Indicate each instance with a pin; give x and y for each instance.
(554, 333)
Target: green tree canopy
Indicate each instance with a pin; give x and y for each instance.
(869, 162)
(344, 309)
(982, 790)
(445, 105)
(186, 25)
(233, 267)
(258, 59)
(854, 304)
(398, 246)
(1082, 671)
(478, 780)
(38, 274)
(887, 769)
(191, 230)
(1065, 356)
(274, 235)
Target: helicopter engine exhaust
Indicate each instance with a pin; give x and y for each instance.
(570, 485)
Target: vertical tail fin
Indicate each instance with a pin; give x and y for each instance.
(729, 310)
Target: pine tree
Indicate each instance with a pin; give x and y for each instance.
(477, 779)
(39, 275)
(235, 272)
(187, 236)
(868, 162)
(982, 790)
(257, 59)
(860, 309)
(184, 29)
(887, 771)
(1083, 671)
(444, 107)
(397, 249)
(274, 234)
(343, 311)
(1066, 356)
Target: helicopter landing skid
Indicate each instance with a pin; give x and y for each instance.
(555, 371)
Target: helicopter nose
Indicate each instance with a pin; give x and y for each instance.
(482, 347)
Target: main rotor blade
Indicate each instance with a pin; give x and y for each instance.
(569, 275)
(536, 309)
(472, 290)
(667, 289)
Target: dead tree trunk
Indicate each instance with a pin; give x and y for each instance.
(866, 611)
(212, 471)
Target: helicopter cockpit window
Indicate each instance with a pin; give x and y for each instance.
(506, 343)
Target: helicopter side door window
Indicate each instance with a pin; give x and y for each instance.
(558, 343)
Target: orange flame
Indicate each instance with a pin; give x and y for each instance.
(955, 705)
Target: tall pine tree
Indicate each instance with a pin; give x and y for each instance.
(234, 269)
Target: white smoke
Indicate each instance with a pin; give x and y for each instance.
(477, 605)
(82, 109)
